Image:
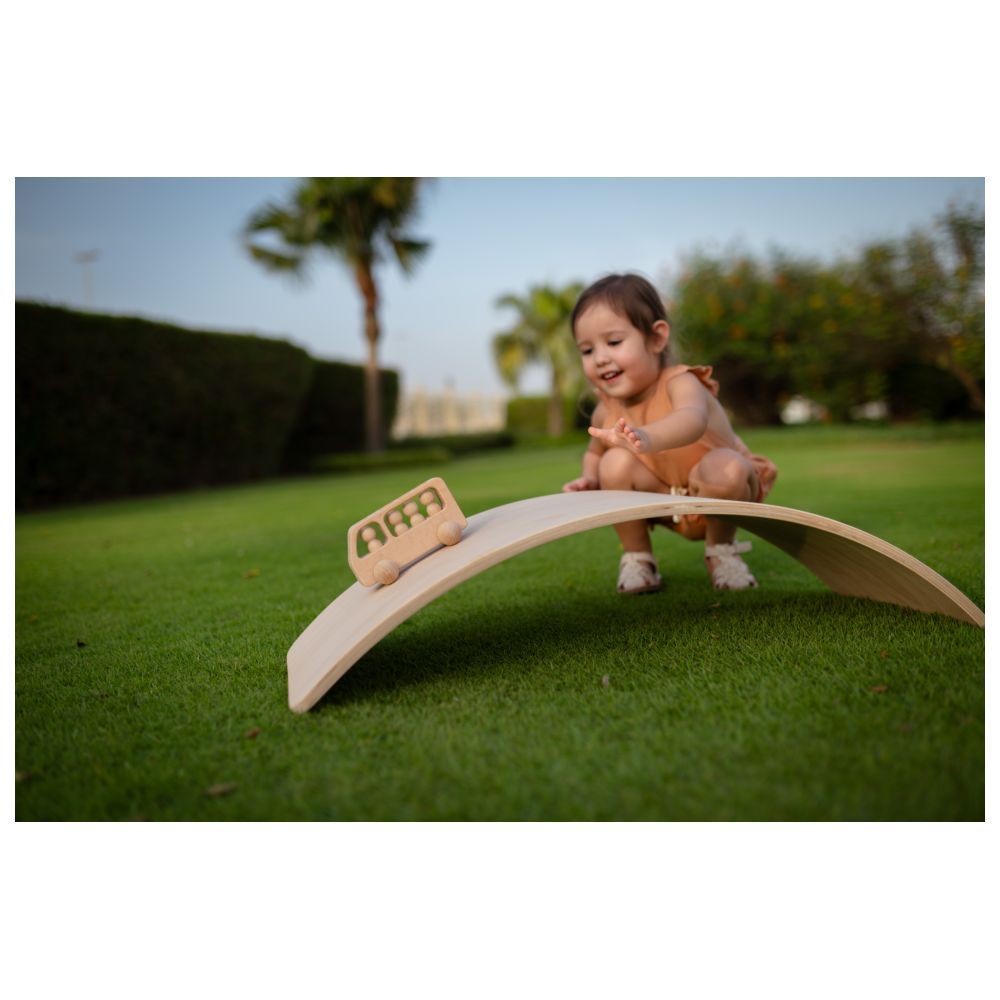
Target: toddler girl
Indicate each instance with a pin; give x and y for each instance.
(658, 427)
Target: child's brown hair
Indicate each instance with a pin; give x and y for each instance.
(629, 295)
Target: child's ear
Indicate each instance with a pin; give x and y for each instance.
(661, 335)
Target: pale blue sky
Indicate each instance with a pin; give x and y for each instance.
(170, 249)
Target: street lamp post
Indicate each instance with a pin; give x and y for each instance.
(85, 258)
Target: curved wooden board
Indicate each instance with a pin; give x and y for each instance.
(849, 561)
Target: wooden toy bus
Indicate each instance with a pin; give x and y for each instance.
(382, 544)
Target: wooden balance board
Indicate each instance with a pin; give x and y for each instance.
(849, 561)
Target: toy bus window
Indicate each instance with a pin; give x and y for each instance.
(370, 538)
(411, 513)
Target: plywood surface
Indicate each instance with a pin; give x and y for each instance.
(848, 560)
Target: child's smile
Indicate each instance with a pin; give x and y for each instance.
(617, 358)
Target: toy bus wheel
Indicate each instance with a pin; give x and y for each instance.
(385, 572)
(448, 532)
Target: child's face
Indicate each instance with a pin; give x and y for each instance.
(618, 358)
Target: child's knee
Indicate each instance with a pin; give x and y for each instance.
(616, 470)
(724, 474)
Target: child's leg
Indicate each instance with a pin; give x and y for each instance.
(723, 474)
(620, 470)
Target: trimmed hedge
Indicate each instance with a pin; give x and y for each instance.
(365, 462)
(459, 444)
(414, 451)
(110, 406)
(331, 419)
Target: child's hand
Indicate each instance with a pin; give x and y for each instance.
(583, 483)
(622, 435)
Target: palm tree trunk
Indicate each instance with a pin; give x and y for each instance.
(976, 400)
(373, 399)
(555, 407)
(373, 403)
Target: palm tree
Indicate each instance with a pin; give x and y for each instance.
(359, 220)
(541, 334)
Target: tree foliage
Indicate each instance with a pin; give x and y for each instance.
(362, 222)
(895, 315)
(542, 334)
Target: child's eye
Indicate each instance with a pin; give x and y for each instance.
(614, 343)
(585, 350)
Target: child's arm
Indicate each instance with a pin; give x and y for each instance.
(685, 425)
(591, 460)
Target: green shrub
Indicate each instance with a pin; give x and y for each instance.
(110, 406)
(459, 444)
(923, 392)
(367, 462)
(332, 416)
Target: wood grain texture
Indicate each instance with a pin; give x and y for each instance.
(848, 560)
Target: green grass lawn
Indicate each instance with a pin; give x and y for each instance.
(151, 642)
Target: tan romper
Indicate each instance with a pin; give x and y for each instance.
(672, 466)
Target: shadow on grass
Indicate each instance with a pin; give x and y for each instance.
(515, 644)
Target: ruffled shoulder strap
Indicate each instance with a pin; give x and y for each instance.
(701, 372)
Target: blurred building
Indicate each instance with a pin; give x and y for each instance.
(428, 414)
(799, 410)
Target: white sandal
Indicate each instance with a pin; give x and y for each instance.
(638, 574)
(731, 572)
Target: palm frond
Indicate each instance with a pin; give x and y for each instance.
(271, 216)
(512, 353)
(409, 251)
(287, 226)
(541, 333)
(511, 301)
(277, 262)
